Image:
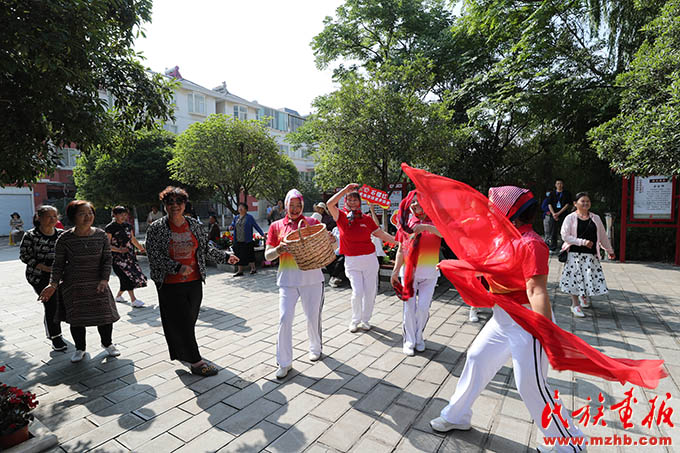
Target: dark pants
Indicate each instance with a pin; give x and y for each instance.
(52, 325)
(556, 226)
(78, 334)
(337, 268)
(179, 305)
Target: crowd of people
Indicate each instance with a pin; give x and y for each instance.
(70, 269)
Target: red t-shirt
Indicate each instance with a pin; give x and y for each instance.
(355, 239)
(534, 255)
(182, 248)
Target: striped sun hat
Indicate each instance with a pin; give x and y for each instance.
(511, 200)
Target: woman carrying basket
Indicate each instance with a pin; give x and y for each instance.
(294, 284)
(361, 264)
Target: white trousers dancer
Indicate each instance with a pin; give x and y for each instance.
(417, 312)
(362, 272)
(312, 303)
(500, 339)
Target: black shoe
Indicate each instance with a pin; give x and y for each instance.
(58, 344)
(204, 370)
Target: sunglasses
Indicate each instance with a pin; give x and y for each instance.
(171, 201)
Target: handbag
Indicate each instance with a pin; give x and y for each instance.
(562, 256)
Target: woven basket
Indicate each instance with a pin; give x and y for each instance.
(311, 246)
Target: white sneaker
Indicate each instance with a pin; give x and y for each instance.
(112, 350)
(314, 356)
(121, 299)
(77, 356)
(576, 310)
(420, 347)
(408, 351)
(353, 327)
(473, 315)
(365, 326)
(137, 303)
(282, 372)
(442, 426)
(585, 302)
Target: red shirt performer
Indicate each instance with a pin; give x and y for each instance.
(361, 262)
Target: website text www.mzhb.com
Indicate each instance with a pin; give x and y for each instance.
(614, 440)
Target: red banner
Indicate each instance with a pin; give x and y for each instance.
(375, 196)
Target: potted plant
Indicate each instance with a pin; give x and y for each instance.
(15, 414)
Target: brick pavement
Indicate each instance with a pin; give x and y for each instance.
(363, 396)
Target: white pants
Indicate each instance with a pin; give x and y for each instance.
(312, 303)
(500, 339)
(362, 272)
(417, 312)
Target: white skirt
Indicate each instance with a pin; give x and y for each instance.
(582, 275)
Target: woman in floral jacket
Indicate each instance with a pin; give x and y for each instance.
(177, 247)
(37, 252)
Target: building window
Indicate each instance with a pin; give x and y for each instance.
(294, 123)
(68, 157)
(240, 112)
(196, 103)
(281, 121)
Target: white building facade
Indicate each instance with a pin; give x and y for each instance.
(194, 103)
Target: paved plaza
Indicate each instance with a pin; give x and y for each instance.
(364, 396)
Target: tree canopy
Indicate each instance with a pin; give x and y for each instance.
(132, 174)
(231, 156)
(517, 85)
(364, 130)
(57, 58)
(644, 138)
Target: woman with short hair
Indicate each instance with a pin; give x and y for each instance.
(244, 245)
(583, 234)
(361, 262)
(177, 248)
(81, 270)
(125, 265)
(37, 252)
(16, 228)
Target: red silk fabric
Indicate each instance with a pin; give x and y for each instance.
(488, 245)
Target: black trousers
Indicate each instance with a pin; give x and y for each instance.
(52, 325)
(78, 334)
(179, 305)
(554, 234)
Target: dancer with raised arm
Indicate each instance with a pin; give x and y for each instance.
(361, 262)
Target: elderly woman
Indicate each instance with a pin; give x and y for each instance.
(583, 234)
(294, 284)
(177, 248)
(37, 252)
(416, 230)
(81, 269)
(244, 245)
(125, 265)
(16, 228)
(361, 262)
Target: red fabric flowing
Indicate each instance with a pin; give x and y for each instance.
(409, 249)
(488, 245)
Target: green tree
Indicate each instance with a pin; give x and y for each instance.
(132, 174)
(287, 177)
(363, 131)
(230, 156)
(57, 57)
(643, 138)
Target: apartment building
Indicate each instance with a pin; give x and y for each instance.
(193, 103)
